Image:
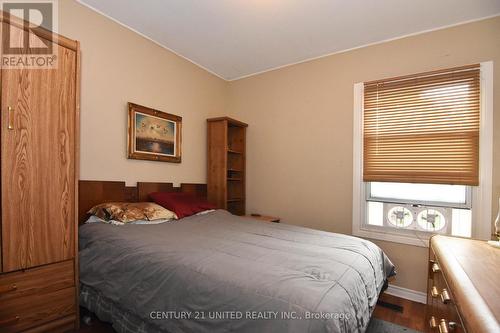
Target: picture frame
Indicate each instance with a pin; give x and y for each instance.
(153, 135)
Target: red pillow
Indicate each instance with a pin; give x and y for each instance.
(182, 204)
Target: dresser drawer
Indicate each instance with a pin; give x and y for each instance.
(446, 313)
(442, 313)
(42, 279)
(25, 312)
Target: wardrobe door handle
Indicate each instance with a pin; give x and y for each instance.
(10, 116)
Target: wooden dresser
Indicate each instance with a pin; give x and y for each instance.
(463, 287)
(39, 185)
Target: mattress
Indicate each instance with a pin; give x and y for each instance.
(218, 272)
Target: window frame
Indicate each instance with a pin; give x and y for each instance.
(466, 205)
(481, 195)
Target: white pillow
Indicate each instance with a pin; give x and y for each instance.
(205, 212)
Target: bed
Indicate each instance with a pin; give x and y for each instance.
(217, 272)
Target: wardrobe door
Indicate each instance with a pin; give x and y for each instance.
(38, 163)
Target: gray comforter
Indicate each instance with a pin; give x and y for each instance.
(218, 273)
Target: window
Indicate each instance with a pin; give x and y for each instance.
(418, 144)
(458, 196)
(427, 208)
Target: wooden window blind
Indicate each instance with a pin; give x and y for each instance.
(423, 128)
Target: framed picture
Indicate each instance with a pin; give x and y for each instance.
(153, 135)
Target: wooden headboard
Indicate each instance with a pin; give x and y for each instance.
(93, 192)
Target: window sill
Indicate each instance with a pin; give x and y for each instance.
(403, 237)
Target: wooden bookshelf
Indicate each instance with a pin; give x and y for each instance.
(226, 163)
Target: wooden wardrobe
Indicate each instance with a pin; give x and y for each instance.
(39, 129)
(227, 164)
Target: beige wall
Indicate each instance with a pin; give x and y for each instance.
(300, 128)
(300, 134)
(119, 66)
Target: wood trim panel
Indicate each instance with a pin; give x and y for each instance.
(37, 280)
(66, 324)
(39, 31)
(144, 188)
(21, 313)
(244, 172)
(76, 180)
(217, 162)
(131, 194)
(229, 120)
(93, 192)
(199, 190)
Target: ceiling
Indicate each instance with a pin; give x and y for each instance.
(238, 38)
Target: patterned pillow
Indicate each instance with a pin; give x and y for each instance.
(131, 211)
(154, 211)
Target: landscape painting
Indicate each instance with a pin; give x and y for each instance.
(153, 135)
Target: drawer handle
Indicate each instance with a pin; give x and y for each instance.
(432, 322)
(434, 292)
(9, 322)
(445, 327)
(445, 296)
(12, 287)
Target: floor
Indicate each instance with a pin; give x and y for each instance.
(411, 317)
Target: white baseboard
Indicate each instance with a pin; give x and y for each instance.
(412, 295)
